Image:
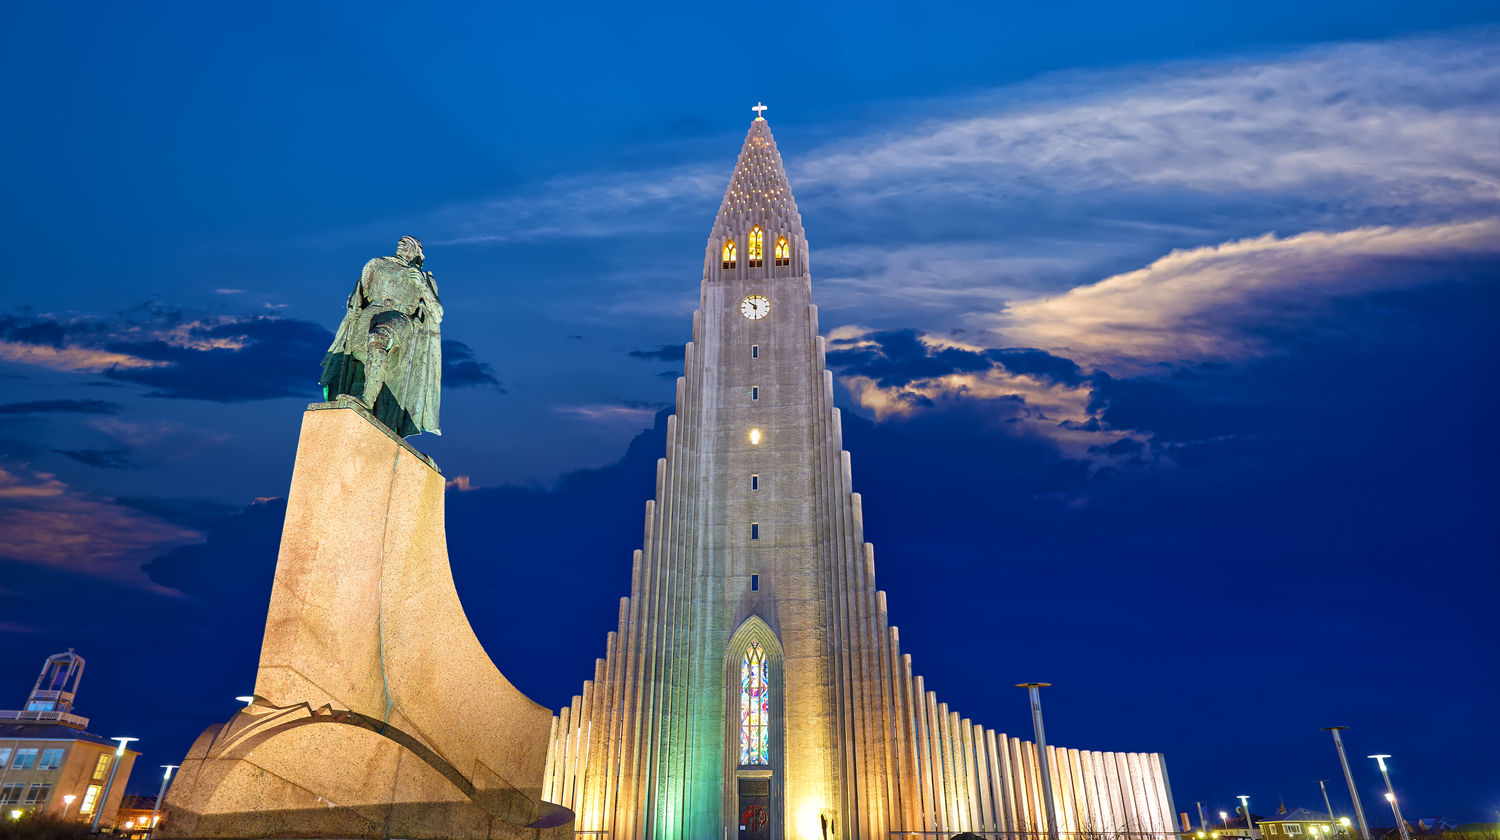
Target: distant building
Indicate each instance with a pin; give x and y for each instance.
(1298, 824)
(48, 762)
(135, 814)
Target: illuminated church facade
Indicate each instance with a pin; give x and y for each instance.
(754, 688)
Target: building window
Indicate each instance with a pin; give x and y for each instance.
(51, 759)
(754, 530)
(754, 482)
(11, 793)
(1293, 828)
(757, 248)
(755, 707)
(754, 583)
(101, 767)
(24, 759)
(89, 797)
(754, 392)
(783, 251)
(38, 793)
(755, 351)
(729, 254)
(4, 757)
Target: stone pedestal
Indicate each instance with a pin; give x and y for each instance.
(377, 713)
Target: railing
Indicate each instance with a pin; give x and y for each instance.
(45, 717)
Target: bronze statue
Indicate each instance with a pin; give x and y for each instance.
(388, 352)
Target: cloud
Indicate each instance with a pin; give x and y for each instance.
(1212, 302)
(61, 407)
(113, 459)
(462, 369)
(663, 353)
(44, 521)
(634, 414)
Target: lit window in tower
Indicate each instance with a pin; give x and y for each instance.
(757, 247)
(729, 253)
(755, 707)
(783, 251)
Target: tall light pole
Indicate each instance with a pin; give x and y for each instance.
(1323, 787)
(67, 804)
(1202, 821)
(1041, 750)
(1249, 823)
(151, 826)
(1359, 811)
(1224, 818)
(113, 768)
(1390, 796)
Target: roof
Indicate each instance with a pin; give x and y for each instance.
(758, 192)
(1298, 815)
(50, 732)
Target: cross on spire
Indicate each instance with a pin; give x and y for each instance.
(758, 108)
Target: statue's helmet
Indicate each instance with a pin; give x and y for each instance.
(409, 248)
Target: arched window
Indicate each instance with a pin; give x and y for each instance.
(755, 707)
(757, 247)
(729, 253)
(783, 251)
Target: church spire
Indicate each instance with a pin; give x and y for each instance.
(758, 225)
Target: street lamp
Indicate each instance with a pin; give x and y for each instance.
(67, 804)
(246, 699)
(1249, 825)
(1390, 796)
(1323, 787)
(1034, 688)
(1359, 811)
(151, 826)
(1224, 818)
(113, 768)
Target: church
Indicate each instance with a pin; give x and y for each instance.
(754, 688)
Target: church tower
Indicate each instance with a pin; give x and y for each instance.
(754, 689)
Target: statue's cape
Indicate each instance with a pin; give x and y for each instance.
(410, 403)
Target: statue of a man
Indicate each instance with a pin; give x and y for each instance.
(387, 351)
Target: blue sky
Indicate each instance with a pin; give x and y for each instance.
(1164, 338)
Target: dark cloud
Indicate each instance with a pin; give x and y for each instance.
(239, 360)
(1023, 360)
(899, 357)
(669, 374)
(61, 407)
(111, 459)
(462, 369)
(664, 353)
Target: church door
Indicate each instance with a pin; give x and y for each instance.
(755, 809)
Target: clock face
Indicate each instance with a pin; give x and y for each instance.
(755, 307)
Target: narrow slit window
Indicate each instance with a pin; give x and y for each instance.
(754, 392)
(754, 583)
(729, 253)
(783, 251)
(757, 248)
(754, 482)
(754, 530)
(755, 351)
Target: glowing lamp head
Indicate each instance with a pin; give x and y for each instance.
(1390, 797)
(1223, 815)
(16, 814)
(1201, 834)
(119, 751)
(755, 437)
(68, 798)
(1344, 821)
(246, 699)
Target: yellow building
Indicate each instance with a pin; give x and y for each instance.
(49, 763)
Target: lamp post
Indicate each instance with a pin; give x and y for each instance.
(1034, 688)
(1249, 823)
(1202, 821)
(113, 768)
(67, 804)
(151, 826)
(1359, 811)
(1224, 818)
(1390, 796)
(1326, 804)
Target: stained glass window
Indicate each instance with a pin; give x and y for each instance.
(783, 251)
(755, 707)
(757, 247)
(729, 253)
